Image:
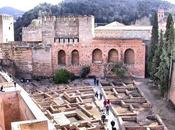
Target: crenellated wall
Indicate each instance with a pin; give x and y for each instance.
(85, 55)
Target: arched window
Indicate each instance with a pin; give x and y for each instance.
(75, 57)
(97, 56)
(61, 57)
(129, 57)
(113, 56)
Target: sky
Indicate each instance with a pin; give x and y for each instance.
(26, 5)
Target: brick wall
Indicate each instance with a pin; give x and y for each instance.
(85, 53)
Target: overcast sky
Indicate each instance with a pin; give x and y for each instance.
(29, 4)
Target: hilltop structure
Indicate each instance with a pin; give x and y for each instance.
(52, 43)
(6, 28)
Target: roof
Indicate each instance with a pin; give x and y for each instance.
(119, 26)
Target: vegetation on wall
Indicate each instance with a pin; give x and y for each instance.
(105, 11)
(62, 76)
(84, 71)
(120, 70)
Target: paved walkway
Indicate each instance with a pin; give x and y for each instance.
(110, 117)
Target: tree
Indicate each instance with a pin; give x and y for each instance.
(156, 59)
(154, 42)
(84, 71)
(62, 76)
(163, 72)
(120, 70)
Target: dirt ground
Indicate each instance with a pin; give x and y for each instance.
(160, 105)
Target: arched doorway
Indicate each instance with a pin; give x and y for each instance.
(97, 56)
(75, 57)
(113, 56)
(61, 57)
(129, 57)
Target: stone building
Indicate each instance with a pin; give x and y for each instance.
(6, 28)
(71, 42)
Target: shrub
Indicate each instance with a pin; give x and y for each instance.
(62, 76)
(84, 71)
(120, 70)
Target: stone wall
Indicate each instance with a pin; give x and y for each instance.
(67, 27)
(13, 108)
(85, 53)
(42, 65)
(2, 123)
(32, 34)
(172, 89)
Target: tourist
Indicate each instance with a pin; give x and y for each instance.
(108, 102)
(101, 96)
(107, 109)
(1, 89)
(14, 84)
(112, 123)
(105, 103)
(96, 94)
(103, 117)
(97, 82)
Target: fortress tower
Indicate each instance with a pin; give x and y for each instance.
(6, 28)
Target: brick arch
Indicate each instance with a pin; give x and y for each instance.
(129, 56)
(113, 56)
(97, 56)
(61, 57)
(75, 57)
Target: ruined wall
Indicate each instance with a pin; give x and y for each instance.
(1, 32)
(85, 53)
(42, 65)
(32, 34)
(86, 29)
(42, 125)
(172, 89)
(11, 108)
(67, 27)
(2, 123)
(25, 112)
(22, 57)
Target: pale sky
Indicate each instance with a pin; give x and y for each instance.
(29, 4)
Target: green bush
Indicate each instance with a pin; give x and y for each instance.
(84, 71)
(120, 70)
(62, 76)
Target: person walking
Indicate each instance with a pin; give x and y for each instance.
(107, 109)
(103, 117)
(96, 94)
(101, 96)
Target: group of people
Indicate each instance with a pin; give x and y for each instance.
(98, 95)
(96, 82)
(106, 104)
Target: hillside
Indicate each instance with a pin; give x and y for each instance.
(105, 11)
(11, 11)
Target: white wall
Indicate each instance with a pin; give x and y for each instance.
(8, 28)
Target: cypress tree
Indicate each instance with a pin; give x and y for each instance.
(156, 59)
(154, 42)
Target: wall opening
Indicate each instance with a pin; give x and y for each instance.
(75, 57)
(97, 56)
(129, 57)
(113, 56)
(61, 57)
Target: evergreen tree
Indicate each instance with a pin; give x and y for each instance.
(163, 72)
(168, 54)
(154, 42)
(156, 59)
